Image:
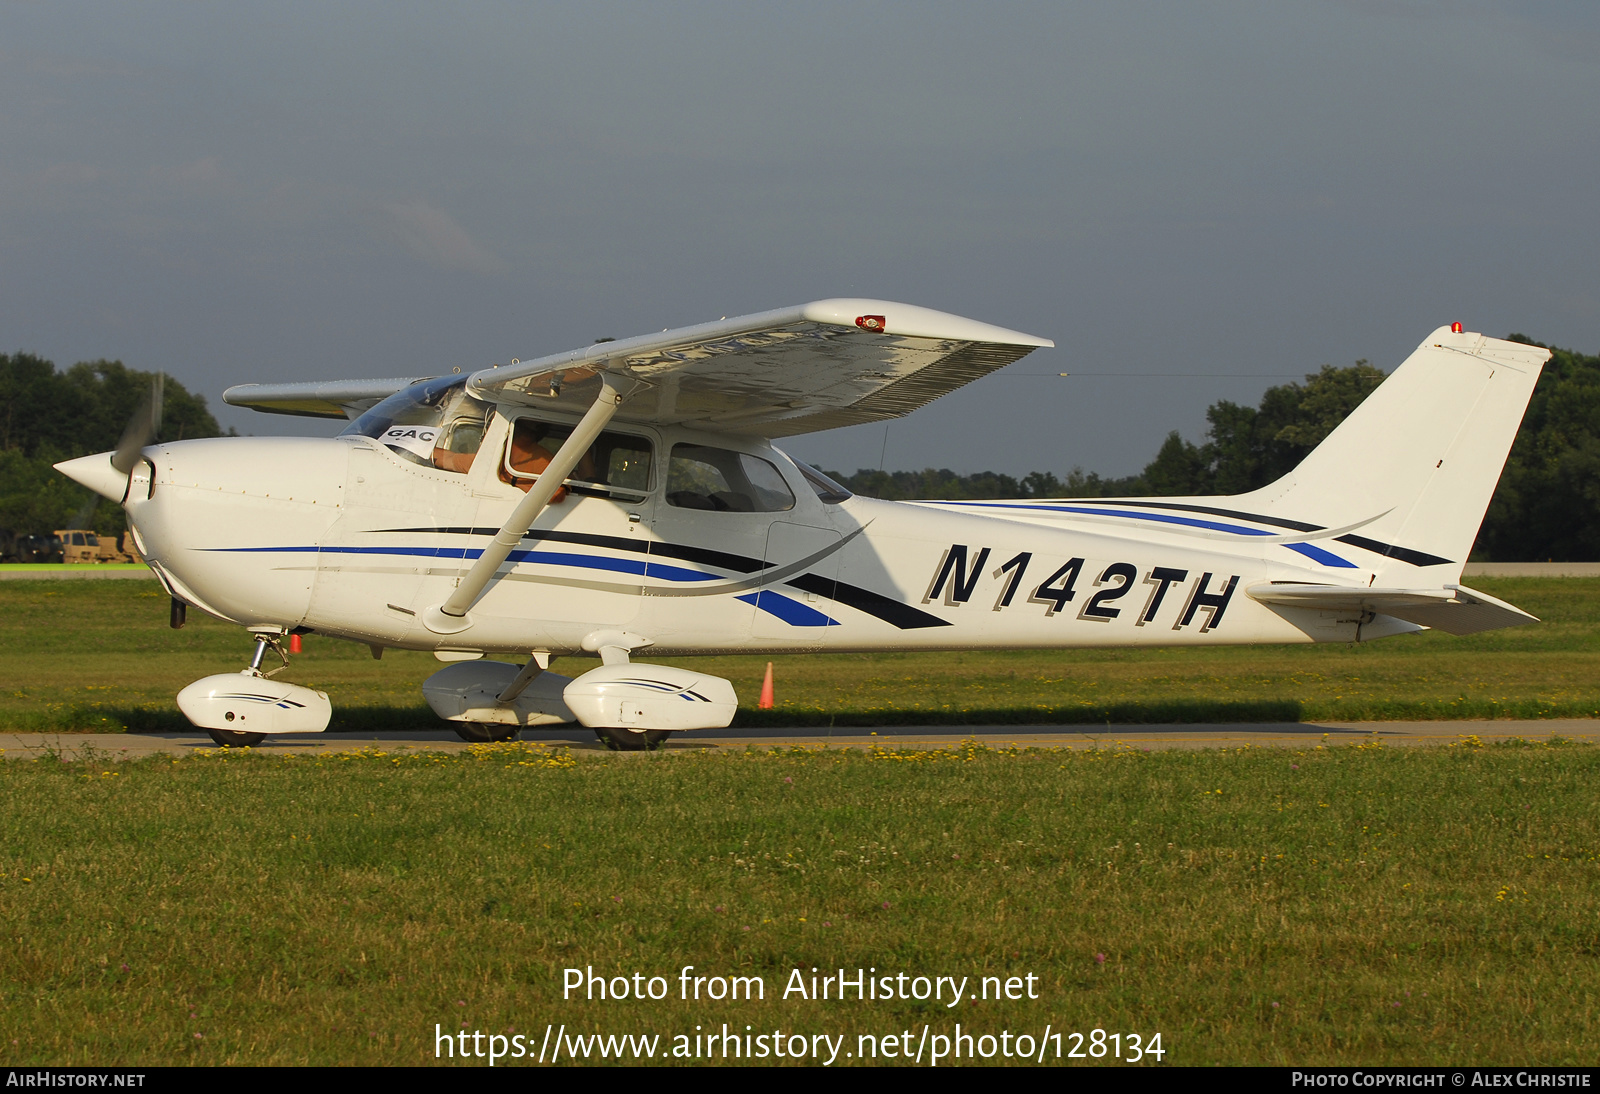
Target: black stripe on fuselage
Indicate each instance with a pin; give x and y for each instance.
(1389, 550)
(739, 563)
(1404, 554)
(885, 608)
(891, 611)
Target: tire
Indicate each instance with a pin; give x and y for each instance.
(630, 740)
(233, 738)
(484, 732)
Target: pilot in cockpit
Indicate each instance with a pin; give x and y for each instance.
(533, 446)
(458, 444)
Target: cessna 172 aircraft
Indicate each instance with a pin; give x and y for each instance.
(627, 496)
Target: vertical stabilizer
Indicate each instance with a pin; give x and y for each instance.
(1425, 450)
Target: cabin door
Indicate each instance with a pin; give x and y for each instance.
(802, 564)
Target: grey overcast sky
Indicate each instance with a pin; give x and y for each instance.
(1195, 190)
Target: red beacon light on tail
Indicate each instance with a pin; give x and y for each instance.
(1455, 328)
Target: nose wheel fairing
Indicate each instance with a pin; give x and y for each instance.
(248, 703)
(240, 708)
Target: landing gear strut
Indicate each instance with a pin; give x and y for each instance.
(263, 640)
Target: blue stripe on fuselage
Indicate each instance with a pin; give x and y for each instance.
(1327, 558)
(791, 612)
(1318, 554)
(1193, 522)
(641, 567)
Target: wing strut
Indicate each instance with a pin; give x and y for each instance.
(451, 616)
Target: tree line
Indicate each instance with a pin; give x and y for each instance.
(1547, 505)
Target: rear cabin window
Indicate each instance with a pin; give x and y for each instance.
(616, 466)
(721, 480)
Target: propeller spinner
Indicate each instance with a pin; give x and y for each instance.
(109, 477)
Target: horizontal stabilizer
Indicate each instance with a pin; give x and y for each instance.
(1454, 609)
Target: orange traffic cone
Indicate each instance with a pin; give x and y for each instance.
(766, 690)
(294, 643)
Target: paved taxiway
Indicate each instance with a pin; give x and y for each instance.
(116, 746)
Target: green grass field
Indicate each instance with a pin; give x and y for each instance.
(98, 656)
(1348, 905)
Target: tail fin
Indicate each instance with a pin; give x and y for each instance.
(1425, 450)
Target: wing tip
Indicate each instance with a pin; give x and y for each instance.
(913, 321)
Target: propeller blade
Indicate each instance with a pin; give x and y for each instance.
(141, 428)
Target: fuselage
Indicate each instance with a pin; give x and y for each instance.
(350, 537)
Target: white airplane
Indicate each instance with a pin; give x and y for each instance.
(627, 497)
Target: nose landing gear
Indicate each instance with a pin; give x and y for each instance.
(239, 709)
(236, 738)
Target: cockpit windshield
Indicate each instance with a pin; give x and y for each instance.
(827, 489)
(432, 422)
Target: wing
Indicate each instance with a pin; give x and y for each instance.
(330, 399)
(1454, 609)
(795, 370)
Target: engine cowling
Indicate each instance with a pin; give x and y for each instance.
(648, 696)
(247, 703)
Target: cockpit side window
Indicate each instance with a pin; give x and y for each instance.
(461, 436)
(719, 479)
(616, 466)
(432, 422)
